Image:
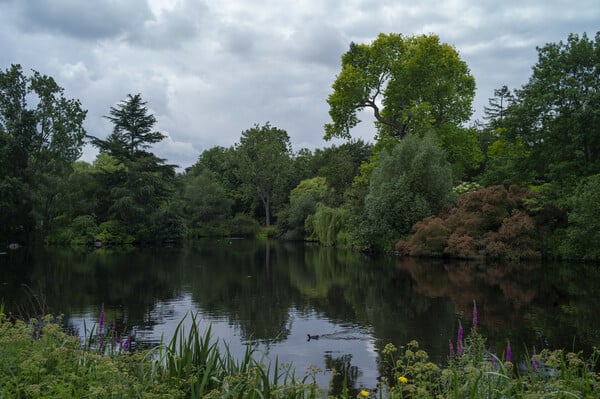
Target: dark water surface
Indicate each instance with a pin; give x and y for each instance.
(274, 294)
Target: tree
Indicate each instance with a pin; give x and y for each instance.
(342, 165)
(138, 183)
(411, 84)
(557, 113)
(408, 184)
(264, 163)
(132, 131)
(37, 146)
(222, 165)
(498, 105)
(583, 232)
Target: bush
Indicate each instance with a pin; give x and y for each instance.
(493, 222)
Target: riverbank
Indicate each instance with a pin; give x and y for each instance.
(38, 359)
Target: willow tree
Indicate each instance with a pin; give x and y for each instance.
(411, 83)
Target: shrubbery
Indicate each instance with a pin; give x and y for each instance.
(38, 360)
(491, 222)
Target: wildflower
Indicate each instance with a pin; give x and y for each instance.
(534, 362)
(459, 339)
(474, 314)
(364, 394)
(450, 348)
(402, 380)
(508, 352)
(127, 344)
(101, 320)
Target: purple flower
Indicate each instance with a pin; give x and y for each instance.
(127, 344)
(508, 352)
(474, 314)
(450, 349)
(459, 337)
(101, 320)
(533, 362)
(101, 343)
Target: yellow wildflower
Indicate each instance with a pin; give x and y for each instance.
(364, 393)
(403, 380)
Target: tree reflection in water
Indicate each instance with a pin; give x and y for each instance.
(277, 293)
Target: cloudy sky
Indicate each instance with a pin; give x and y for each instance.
(211, 69)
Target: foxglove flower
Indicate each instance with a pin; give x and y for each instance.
(508, 352)
(474, 315)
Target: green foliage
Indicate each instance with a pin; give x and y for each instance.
(49, 363)
(243, 225)
(583, 232)
(204, 199)
(264, 164)
(328, 225)
(37, 145)
(341, 164)
(462, 149)
(132, 129)
(303, 203)
(135, 185)
(408, 184)
(556, 113)
(419, 82)
(504, 162)
(474, 372)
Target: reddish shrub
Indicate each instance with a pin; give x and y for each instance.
(461, 245)
(430, 237)
(492, 221)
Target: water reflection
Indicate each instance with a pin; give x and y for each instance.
(273, 295)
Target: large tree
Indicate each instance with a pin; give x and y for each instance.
(38, 143)
(411, 83)
(556, 115)
(411, 182)
(140, 184)
(132, 129)
(264, 159)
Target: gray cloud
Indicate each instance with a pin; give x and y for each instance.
(82, 19)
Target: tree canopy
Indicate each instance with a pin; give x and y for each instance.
(38, 144)
(556, 115)
(264, 156)
(411, 83)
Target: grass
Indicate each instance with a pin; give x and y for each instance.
(39, 360)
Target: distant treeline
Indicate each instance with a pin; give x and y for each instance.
(522, 183)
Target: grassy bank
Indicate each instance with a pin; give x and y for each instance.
(39, 360)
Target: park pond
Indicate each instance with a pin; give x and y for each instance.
(273, 295)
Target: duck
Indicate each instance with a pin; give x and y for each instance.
(312, 337)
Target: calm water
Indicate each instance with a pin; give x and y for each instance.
(273, 295)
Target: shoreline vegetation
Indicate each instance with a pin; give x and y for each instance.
(38, 359)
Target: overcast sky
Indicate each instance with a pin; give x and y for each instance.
(211, 69)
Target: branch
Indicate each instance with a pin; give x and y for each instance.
(399, 128)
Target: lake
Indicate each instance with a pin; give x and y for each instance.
(274, 294)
